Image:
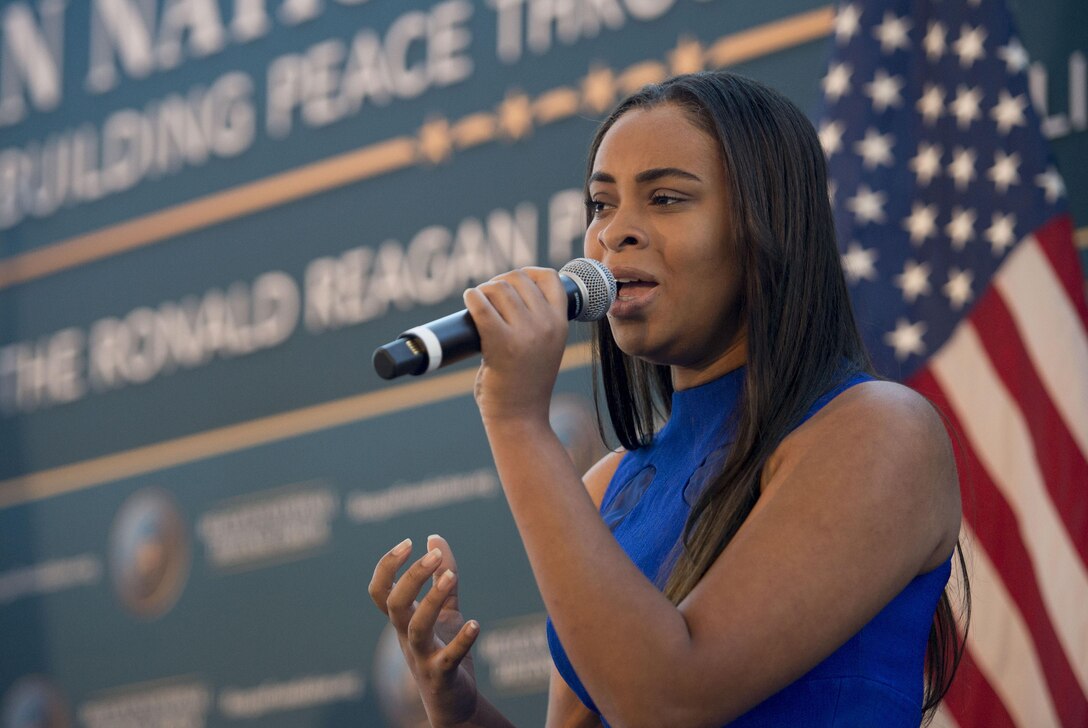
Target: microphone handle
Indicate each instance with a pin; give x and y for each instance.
(447, 340)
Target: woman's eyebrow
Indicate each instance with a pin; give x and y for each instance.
(648, 175)
(657, 173)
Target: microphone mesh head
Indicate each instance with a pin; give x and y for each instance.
(600, 287)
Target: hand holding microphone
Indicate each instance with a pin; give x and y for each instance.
(590, 290)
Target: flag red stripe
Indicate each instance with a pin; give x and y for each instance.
(995, 526)
(1056, 241)
(972, 701)
(1060, 460)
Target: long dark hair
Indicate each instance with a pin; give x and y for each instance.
(802, 337)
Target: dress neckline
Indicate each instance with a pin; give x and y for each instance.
(696, 408)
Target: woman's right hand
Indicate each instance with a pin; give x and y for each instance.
(433, 635)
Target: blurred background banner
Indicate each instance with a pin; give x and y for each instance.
(211, 213)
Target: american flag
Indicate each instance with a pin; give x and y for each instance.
(958, 250)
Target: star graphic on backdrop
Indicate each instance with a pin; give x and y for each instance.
(1053, 183)
(1001, 233)
(969, 46)
(515, 115)
(559, 103)
(435, 140)
(962, 168)
(867, 205)
(599, 90)
(961, 229)
(921, 223)
(1009, 111)
(914, 280)
(892, 33)
(1015, 56)
(927, 163)
(859, 263)
(965, 105)
(641, 74)
(875, 149)
(931, 103)
(831, 136)
(884, 90)
(1005, 171)
(907, 338)
(934, 41)
(837, 81)
(687, 57)
(846, 23)
(958, 288)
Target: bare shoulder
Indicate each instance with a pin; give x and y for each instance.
(600, 475)
(885, 448)
(856, 503)
(881, 413)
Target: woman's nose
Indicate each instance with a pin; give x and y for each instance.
(622, 230)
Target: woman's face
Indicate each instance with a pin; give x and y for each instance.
(661, 224)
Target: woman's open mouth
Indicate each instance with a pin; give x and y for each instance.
(629, 289)
(632, 295)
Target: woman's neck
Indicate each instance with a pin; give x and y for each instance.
(735, 356)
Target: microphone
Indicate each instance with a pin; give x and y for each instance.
(590, 288)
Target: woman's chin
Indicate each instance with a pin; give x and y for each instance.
(637, 345)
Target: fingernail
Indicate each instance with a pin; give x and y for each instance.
(401, 547)
(446, 579)
(472, 627)
(432, 558)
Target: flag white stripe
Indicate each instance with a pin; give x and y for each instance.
(1051, 331)
(1001, 644)
(943, 718)
(1000, 438)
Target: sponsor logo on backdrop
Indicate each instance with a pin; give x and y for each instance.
(35, 702)
(161, 705)
(302, 692)
(445, 490)
(149, 553)
(515, 654)
(398, 696)
(50, 577)
(575, 424)
(286, 523)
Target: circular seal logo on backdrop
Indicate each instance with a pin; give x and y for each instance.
(394, 685)
(575, 424)
(34, 702)
(149, 553)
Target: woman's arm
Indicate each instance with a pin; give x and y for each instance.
(565, 710)
(856, 502)
(854, 509)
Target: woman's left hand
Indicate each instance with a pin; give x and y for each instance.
(522, 320)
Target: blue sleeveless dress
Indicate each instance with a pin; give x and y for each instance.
(875, 678)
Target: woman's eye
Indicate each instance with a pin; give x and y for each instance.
(662, 198)
(595, 207)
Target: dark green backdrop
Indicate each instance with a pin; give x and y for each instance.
(195, 476)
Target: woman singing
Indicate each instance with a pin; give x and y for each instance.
(772, 544)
